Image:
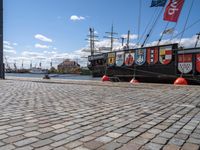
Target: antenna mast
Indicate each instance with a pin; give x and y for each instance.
(111, 37)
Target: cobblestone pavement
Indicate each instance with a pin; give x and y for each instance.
(98, 116)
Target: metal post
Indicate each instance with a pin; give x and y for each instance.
(2, 73)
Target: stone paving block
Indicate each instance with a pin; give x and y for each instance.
(166, 135)
(13, 139)
(176, 141)
(111, 146)
(181, 136)
(44, 148)
(25, 148)
(113, 135)
(87, 138)
(133, 134)
(171, 147)
(60, 148)
(46, 135)
(130, 146)
(93, 145)
(41, 143)
(193, 140)
(73, 144)
(31, 134)
(7, 147)
(123, 139)
(15, 133)
(25, 141)
(147, 135)
(104, 139)
(81, 148)
(3, 136)
(159, 140)
(122, 130)
(153, 146)
(190, 146)
(60, 136)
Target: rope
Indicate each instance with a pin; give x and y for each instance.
(186, 21)
(187, 28)
(184, 32)
(139, 19)
(150, 22)
(153, 26)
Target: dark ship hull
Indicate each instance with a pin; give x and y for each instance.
(162, 63)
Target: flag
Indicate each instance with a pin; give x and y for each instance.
(168, 31)
(158, 3)
(173, 10)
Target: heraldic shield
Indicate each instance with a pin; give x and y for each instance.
(152, 55)
(165, 55)
(198, 63)
(140, 56)
(129, 59)
(119, 58)
(185, 63)
(111, 59)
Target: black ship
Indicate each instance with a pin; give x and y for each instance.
(160, 63)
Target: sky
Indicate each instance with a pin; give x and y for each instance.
(53, 30)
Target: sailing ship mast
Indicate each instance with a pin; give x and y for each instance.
(198, 37)
(111, 37)
(92, 40)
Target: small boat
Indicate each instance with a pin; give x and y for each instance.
(38, 71)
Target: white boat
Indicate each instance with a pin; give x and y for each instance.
(38, 71)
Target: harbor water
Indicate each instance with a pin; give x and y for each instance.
(55, 76)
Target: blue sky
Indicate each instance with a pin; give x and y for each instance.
(45, 30)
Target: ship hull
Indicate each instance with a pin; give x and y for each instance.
(157, 72)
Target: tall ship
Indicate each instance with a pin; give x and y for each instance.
(157, 63)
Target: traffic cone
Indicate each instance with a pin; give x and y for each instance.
(180, 81)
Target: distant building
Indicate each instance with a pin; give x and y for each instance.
(69, 66)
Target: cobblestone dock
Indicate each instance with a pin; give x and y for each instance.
(91, 115)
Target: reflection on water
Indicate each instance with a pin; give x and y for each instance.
(55, 76)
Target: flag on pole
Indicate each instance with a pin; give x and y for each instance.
(173, 10)
(158, 3)
(168, 31)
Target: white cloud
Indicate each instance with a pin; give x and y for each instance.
(41, 46)
(6, 43)
(76, 18)
(8, 47)
(131, 36)
(185, 42)
(15, 44)
(10, 51)
(43, 38)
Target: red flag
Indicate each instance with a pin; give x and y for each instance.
(173, 10)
